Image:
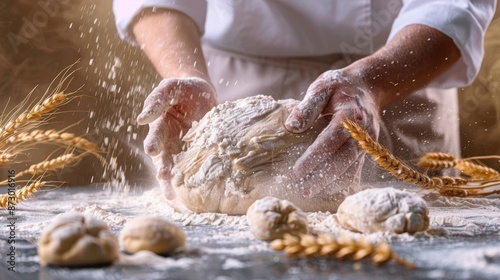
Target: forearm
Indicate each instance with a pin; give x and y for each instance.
(171, 40)
(410, 61)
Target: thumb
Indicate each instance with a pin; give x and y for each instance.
(308, 110)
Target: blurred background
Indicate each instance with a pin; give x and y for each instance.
(41, 38)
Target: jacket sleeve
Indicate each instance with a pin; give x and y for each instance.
(463, 21)
(125, 12)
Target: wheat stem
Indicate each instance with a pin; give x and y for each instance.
(344, 247)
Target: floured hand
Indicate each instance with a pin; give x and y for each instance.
(170, 110)
(333, 154)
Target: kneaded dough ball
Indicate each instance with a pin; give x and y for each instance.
(240, 151)
(75, 239)
(152, 234)
(269, 218)
(386, 209)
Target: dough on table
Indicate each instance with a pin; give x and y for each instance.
(240, 152)
(385, 209)
(269, 218)
(75, 239)
(153, 234)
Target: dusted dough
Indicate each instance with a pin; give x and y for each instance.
(384, 209)
(75, 239)
(240, 152)
(269, 218)
(153, 234)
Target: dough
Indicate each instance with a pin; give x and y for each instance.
(240, 152)
(153, 234)
(75, 239)
(384, 209)
(269, 218)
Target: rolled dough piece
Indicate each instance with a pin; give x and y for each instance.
(153, 234)
(240, 152)
(269, 218)
(386, 209)
(75, 239)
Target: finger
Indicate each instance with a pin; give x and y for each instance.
(325, 145)
(157, 135)
(308, 110)
(160, 100)
(164, 164)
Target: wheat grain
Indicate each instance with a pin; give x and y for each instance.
(344, 247)
(21, 194)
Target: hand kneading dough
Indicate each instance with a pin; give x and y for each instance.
(269, 218)
(240, 152)
(75, 239)
(152, 234)
(384, 209)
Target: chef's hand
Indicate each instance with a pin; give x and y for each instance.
(170, 110)
(334, 158)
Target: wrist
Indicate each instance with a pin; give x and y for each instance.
(362, 75)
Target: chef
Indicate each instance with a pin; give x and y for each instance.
(392, 66)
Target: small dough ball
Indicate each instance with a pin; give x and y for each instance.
(386, 209)
(153, 234)
(75, 239)
(269, 218)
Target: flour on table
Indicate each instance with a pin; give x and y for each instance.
(240, 152)
(385, 209)
(153, 234)
(270, 218)
(74, 239)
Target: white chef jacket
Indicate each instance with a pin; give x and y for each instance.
(298, 28)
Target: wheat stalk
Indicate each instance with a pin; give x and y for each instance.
(33, 115)
(476, 171)
(344, 247)
(65, 138)
(437, 161)
(21, 194)
(50, 165)
(446, 185)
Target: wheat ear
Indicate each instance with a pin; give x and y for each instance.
(21, 194)
(6, 157)
(35, 114)
(437, 161)
(397, 168)
(344, 247)
(476, 171)
(68, 139)
(51, 165)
